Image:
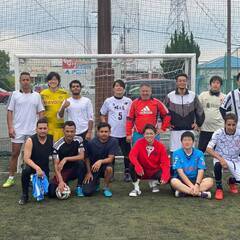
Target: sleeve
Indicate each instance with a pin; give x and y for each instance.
(80, 143)
(200, 97)
(104, 108)
(213, 142)
(201, 161)
(165, 115)
(199, 112)
(55, 153)
(133, 157)
(11, 102)
(165, 164)
(177, 163)
(226, 106)
(130, 119)
(40, 106)
(90, 110)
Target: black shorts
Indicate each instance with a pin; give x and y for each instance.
(204, 139)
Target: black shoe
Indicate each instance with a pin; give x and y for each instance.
(127, 177)
(23, 200)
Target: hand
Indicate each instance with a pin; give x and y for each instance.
(61, 186)
(61, 164)
(159, 131)
(223, 163)
(11, 132)
(139, 170)
(129, 139)
(39, 172)
(88, 136)
(96, 166)
(192, 189)
(196, 190)
(88, 178)
(66, 104)
(194, 126)
(162, 182)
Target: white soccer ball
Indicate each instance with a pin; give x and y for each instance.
(65, 194)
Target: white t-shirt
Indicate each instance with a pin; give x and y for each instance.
(211, 104)
(116, 109)
(25, 107)
(228, 146)
(80, 111)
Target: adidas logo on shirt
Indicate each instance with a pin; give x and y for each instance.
(146, 110)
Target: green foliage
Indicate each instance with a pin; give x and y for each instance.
(6, 79)
(180, 42)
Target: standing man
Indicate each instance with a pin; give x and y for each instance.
(100, 153)
(68, 155)
(146, 110)
(37, 150)
(79, 109)
(185, 109)
(224, 147)
(211, 101)
(24, 107)
(114, 111)
(231, 102)
(53, 98)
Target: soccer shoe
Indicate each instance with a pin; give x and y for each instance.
(10, 182)
(134, 193)
(179, 194)
(153, 184)
(207, 195)
(107, 192)
(23, 200)
(79, 192)
(219, 194)
(233, 188)
(127, 177)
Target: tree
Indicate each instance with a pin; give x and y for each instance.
(180, 42)
(6, 79)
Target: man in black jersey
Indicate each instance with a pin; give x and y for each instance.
(68, 155)
(37, 150)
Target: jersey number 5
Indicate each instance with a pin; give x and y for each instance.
(120, 116)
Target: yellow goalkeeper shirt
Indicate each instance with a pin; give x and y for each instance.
(52, 103)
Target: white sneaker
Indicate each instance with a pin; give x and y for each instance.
(134, 193)
(153, 184)
(206, 195)
(155, 189)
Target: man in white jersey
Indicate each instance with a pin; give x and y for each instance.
(24, 107)
(231, 102)
(211, 101)
(114, 111)
(79, 109)
(224, 147)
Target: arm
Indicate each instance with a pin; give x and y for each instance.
(89, 176)
(61, 111)
(27, 157)
(165, 115)
(165, 165)
(104, 111)
(103, 118)
(133, 157)
(199, 112)
(11, 130)
(184, 178)
(40, 108)
(130, 121)
(41, 114)
(226, 105)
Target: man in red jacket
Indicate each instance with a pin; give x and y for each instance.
(146, 110)
(149, 160)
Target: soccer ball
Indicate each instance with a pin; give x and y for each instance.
(65, 194)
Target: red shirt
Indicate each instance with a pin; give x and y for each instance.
(150, 161)
(144, 112)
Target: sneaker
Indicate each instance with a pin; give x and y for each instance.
(233, 188)
(127, 177)
(207, 195)
(179, 194)
(219, 194)
(107, 192)
(23, 200)
(134, 193)
(153, 184)
(10, 182)
(155, 189)
(79, 192)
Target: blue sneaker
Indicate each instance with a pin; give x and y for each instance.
(79, 192)
(107, 192)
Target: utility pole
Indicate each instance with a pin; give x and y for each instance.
(229, 52)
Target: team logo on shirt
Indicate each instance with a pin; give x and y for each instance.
(146, 110)
(149, 150)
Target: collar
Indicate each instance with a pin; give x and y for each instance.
(21, 91)
(118, 97)
(189, 156)
(151, 98)
(177, 92)
(212, 93)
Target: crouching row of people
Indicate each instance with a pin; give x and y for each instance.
(89, 161)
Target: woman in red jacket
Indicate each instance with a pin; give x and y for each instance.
(149, 160)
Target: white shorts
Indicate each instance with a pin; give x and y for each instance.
(175, 139)
(20, 138)
(233, 167)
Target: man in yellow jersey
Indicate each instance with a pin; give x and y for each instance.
(52, 99)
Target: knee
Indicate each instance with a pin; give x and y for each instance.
(109, 170)
(88, 189)
(174, 182)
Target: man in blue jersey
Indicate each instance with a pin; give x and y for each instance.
(189, 166)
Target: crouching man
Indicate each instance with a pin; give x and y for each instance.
(189, 166)
(149, 160)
